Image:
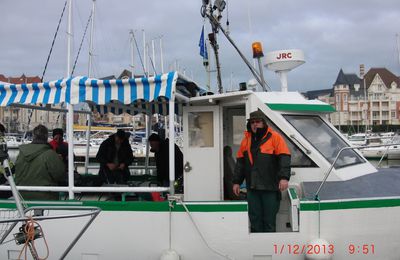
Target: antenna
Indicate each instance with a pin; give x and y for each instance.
(282, 62)
(213, 13)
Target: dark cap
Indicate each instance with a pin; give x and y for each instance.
(257, 115)
(121, 134)
(154, 137)
(57, 131)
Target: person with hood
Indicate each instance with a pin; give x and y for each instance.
(160, 148)
(263, 160)
(38, 165)
(115, 155)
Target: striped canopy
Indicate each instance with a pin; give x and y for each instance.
(118, 96)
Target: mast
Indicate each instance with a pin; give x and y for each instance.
(144, 53)
(153, 56)
(70, 115)
(132, 40)
(161, 55)
(91, 40)
(88, 116)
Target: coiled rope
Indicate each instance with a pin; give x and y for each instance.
(29, 230)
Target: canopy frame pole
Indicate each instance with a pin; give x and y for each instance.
(88, 130)
(70, 116)
(171, 133)
(148, 131)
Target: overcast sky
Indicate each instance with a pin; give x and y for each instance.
(333, 35)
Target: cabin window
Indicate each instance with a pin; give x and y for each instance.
(201, 129)
(324, 139)
(298, 157)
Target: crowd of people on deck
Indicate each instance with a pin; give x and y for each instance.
(43, 163)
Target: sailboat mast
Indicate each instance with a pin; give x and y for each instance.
(132, 40)
(161, 56)
(153, 50)
(91, 40)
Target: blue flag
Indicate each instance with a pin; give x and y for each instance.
(202, 45)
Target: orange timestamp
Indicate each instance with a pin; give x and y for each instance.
(364, 249)
(301, 249)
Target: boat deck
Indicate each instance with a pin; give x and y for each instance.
(384, 183)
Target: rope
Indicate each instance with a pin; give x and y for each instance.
(152, 63)
(80, 46)
(140, 56)
(54, 39)
(201, 235)
(29, 230)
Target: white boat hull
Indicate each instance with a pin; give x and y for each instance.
(377, 152)
(140, 230)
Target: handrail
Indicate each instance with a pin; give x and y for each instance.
(87, 189)
(94, 212)
(337, 157)
(299, 143)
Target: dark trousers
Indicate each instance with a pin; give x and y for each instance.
(263, 207)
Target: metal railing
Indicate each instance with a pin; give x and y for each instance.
(337, 157)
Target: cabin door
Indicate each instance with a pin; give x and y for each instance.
(202, 153)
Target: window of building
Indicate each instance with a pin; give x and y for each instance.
(324, 139)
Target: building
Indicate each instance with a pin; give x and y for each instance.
(16, 119)
(371, 99)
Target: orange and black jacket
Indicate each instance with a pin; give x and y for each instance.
(266, 165)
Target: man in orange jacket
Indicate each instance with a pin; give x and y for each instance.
(263, 160)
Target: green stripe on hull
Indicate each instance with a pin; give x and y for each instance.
(163, 206)
(358, 204)
(141, 206)
(301, 107)
(148, 206)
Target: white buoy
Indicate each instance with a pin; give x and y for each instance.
(320, 250)
(170, 254)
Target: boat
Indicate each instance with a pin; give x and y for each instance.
(338, 205)
(198, 222)
(391, 152)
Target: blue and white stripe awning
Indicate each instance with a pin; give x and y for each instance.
(126, 95)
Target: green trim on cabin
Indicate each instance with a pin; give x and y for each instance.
(356, 204)
(293, 193)
(302, 107)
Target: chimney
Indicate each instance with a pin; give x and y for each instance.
(362, 71)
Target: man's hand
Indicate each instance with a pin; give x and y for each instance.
(122, 166)
(283, 184)
(111, 166)
(236, 189)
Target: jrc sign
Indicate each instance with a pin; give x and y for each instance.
(284, 59)
(284, 55)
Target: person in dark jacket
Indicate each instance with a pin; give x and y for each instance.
(160, 148)
(263, 160)
(115, 155)
(38, 165)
